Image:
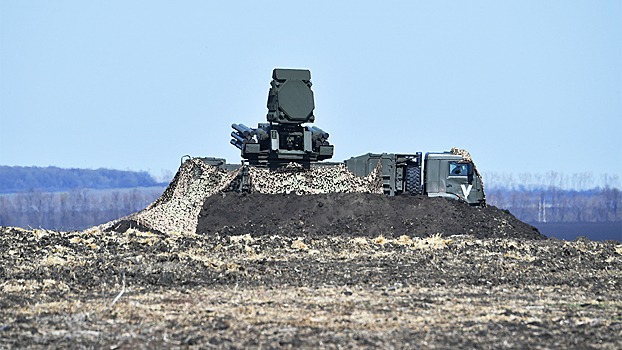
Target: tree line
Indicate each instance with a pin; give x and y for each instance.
(555, 205)
(82, 208)
(551, 180)
(75, 199)
(556, 197)
(16, 179)
(77, 209)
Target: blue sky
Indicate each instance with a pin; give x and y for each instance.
(525, 86)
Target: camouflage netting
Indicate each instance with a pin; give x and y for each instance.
(466, 156)
(178, 208)
(320, 179)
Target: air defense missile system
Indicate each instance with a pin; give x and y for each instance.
(288, 143)
(284, 138)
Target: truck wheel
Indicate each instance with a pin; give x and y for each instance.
(413, 180)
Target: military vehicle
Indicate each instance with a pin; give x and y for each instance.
(285, 139)
(446, 174)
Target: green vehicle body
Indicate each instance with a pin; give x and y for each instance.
(436, 175)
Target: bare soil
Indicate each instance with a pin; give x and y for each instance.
(326, 272)
(357, 214)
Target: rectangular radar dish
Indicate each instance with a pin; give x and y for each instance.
(291, 74)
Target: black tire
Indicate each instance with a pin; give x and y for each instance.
(413, 180)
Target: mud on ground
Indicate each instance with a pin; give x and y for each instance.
(96, 289)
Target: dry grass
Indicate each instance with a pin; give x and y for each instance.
(140, 290)
(433, 313)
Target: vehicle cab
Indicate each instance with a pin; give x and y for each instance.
(449, 175)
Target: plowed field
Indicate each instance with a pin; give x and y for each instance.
(312, 278)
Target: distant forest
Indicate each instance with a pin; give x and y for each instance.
(16, 179)
(77, 209)
(75, 199)
(555, 205)
(72, 199)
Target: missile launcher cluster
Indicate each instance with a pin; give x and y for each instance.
(284, 138)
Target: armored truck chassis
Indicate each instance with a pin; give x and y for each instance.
(443, 174)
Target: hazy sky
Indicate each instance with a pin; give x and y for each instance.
(525, 86)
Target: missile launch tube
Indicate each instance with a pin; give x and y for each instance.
(236, 144)
(319, 132)
(243, 129)
(237, 137)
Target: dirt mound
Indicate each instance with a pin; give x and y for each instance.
(178, 208)
(360, 214)
(326, 200)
